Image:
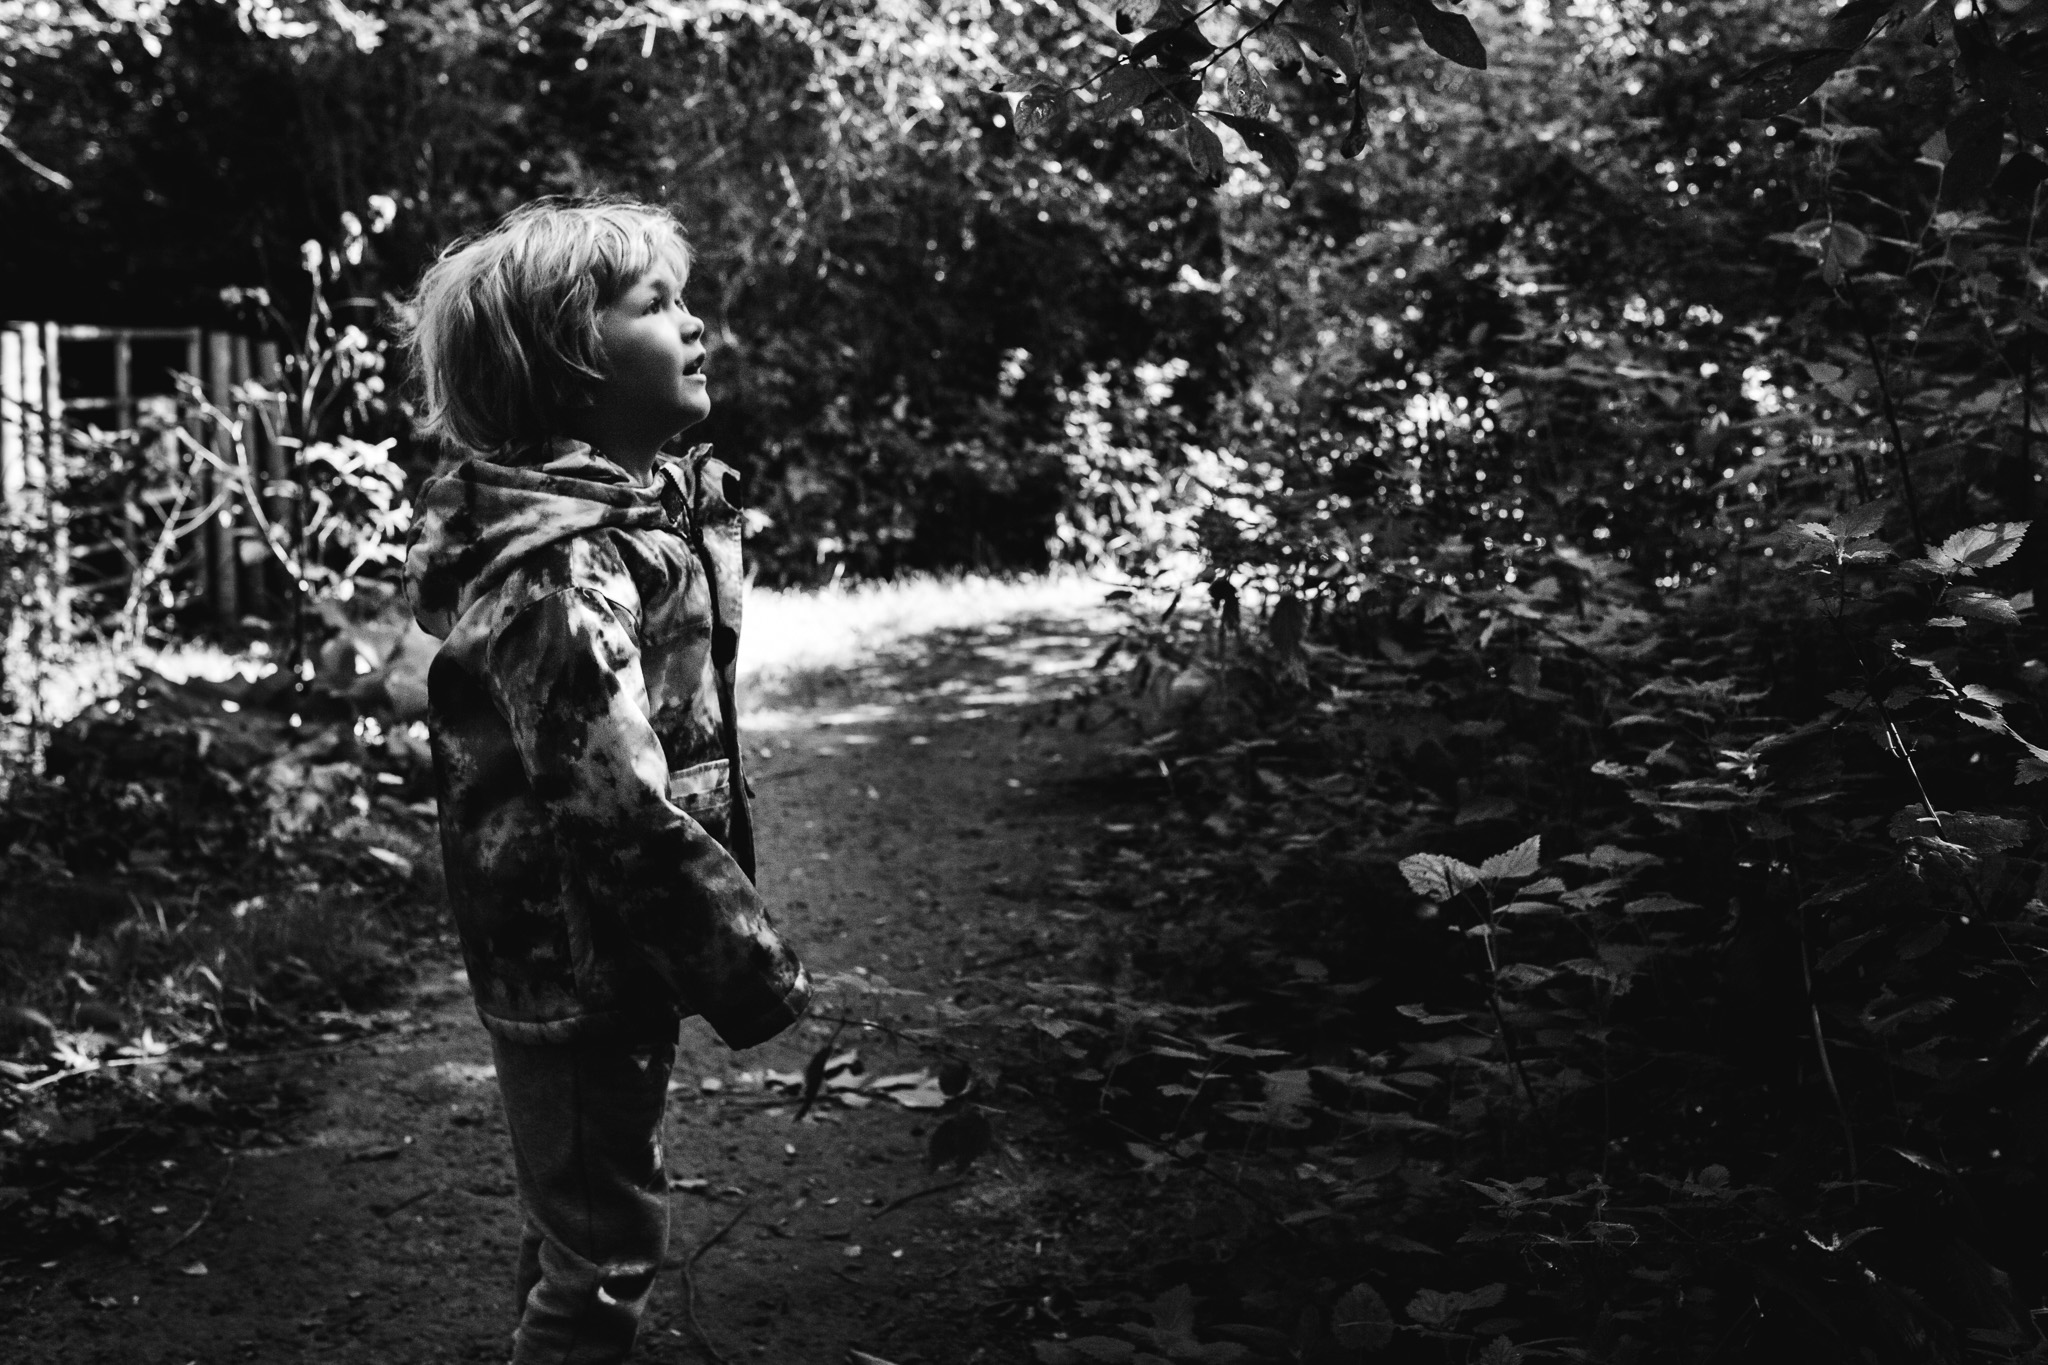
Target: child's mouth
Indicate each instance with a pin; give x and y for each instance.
(695, 367)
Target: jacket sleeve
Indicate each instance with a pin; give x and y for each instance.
(565, 672)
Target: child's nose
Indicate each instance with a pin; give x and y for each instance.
(693, 326)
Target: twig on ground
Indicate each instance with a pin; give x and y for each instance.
(402, 1205)
(939, 1188)
(37, 1084)
(207, 1212)
(690, 1283)
(1039, 950)
(206, 1060)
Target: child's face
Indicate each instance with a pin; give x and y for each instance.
(654, 351)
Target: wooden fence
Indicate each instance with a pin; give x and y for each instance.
(64, 389)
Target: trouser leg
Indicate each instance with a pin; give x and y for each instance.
(586, 1125)
(528, 1273)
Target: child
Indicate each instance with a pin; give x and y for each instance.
(594, 818)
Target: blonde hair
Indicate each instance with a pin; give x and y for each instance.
(503, 328)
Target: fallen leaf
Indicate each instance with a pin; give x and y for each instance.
(927, 1096)
(196, 1268)
(901, 1080)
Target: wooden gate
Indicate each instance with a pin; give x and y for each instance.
(64, 388)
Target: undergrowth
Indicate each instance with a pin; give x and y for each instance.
(199, 871)
(1564, 974)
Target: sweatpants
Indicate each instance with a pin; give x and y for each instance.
(587, 1124)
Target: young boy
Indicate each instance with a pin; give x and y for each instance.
(594, 819)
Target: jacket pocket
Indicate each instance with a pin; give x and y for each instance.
(704, 792)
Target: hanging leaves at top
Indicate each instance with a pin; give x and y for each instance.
(1450, 33)
(1326, 42)
(1277, 150)
(1182, 45)
(1205, 151)
(1245, 90)
(1123, 88)
(1041, 107)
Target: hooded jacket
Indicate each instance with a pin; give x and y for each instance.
(594, 820)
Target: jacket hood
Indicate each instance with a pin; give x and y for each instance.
(475, 524)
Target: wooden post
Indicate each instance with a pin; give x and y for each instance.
(280, 506)
(33, 423)
(12, 423)
(196, 429)
(220, 532)
(249, 553)
(15, 670)
(56, 482)
(124, 420)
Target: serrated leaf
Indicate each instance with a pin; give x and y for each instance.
(1982, 606)
(1981, 547)
(1450, 33)
(1662, 903)
(1519, 861)
(1360, 1320)
(1174, 1311)
(1438, 877)
(1984, 833)
(1813, 533)
(1431, 1308)
(1272, 143)
(1499, 1351)
(1860, 522)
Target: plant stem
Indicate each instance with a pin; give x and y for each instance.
(1891, 412)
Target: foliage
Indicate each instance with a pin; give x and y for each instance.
(898, 291)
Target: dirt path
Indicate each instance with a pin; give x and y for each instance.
(913, 826)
